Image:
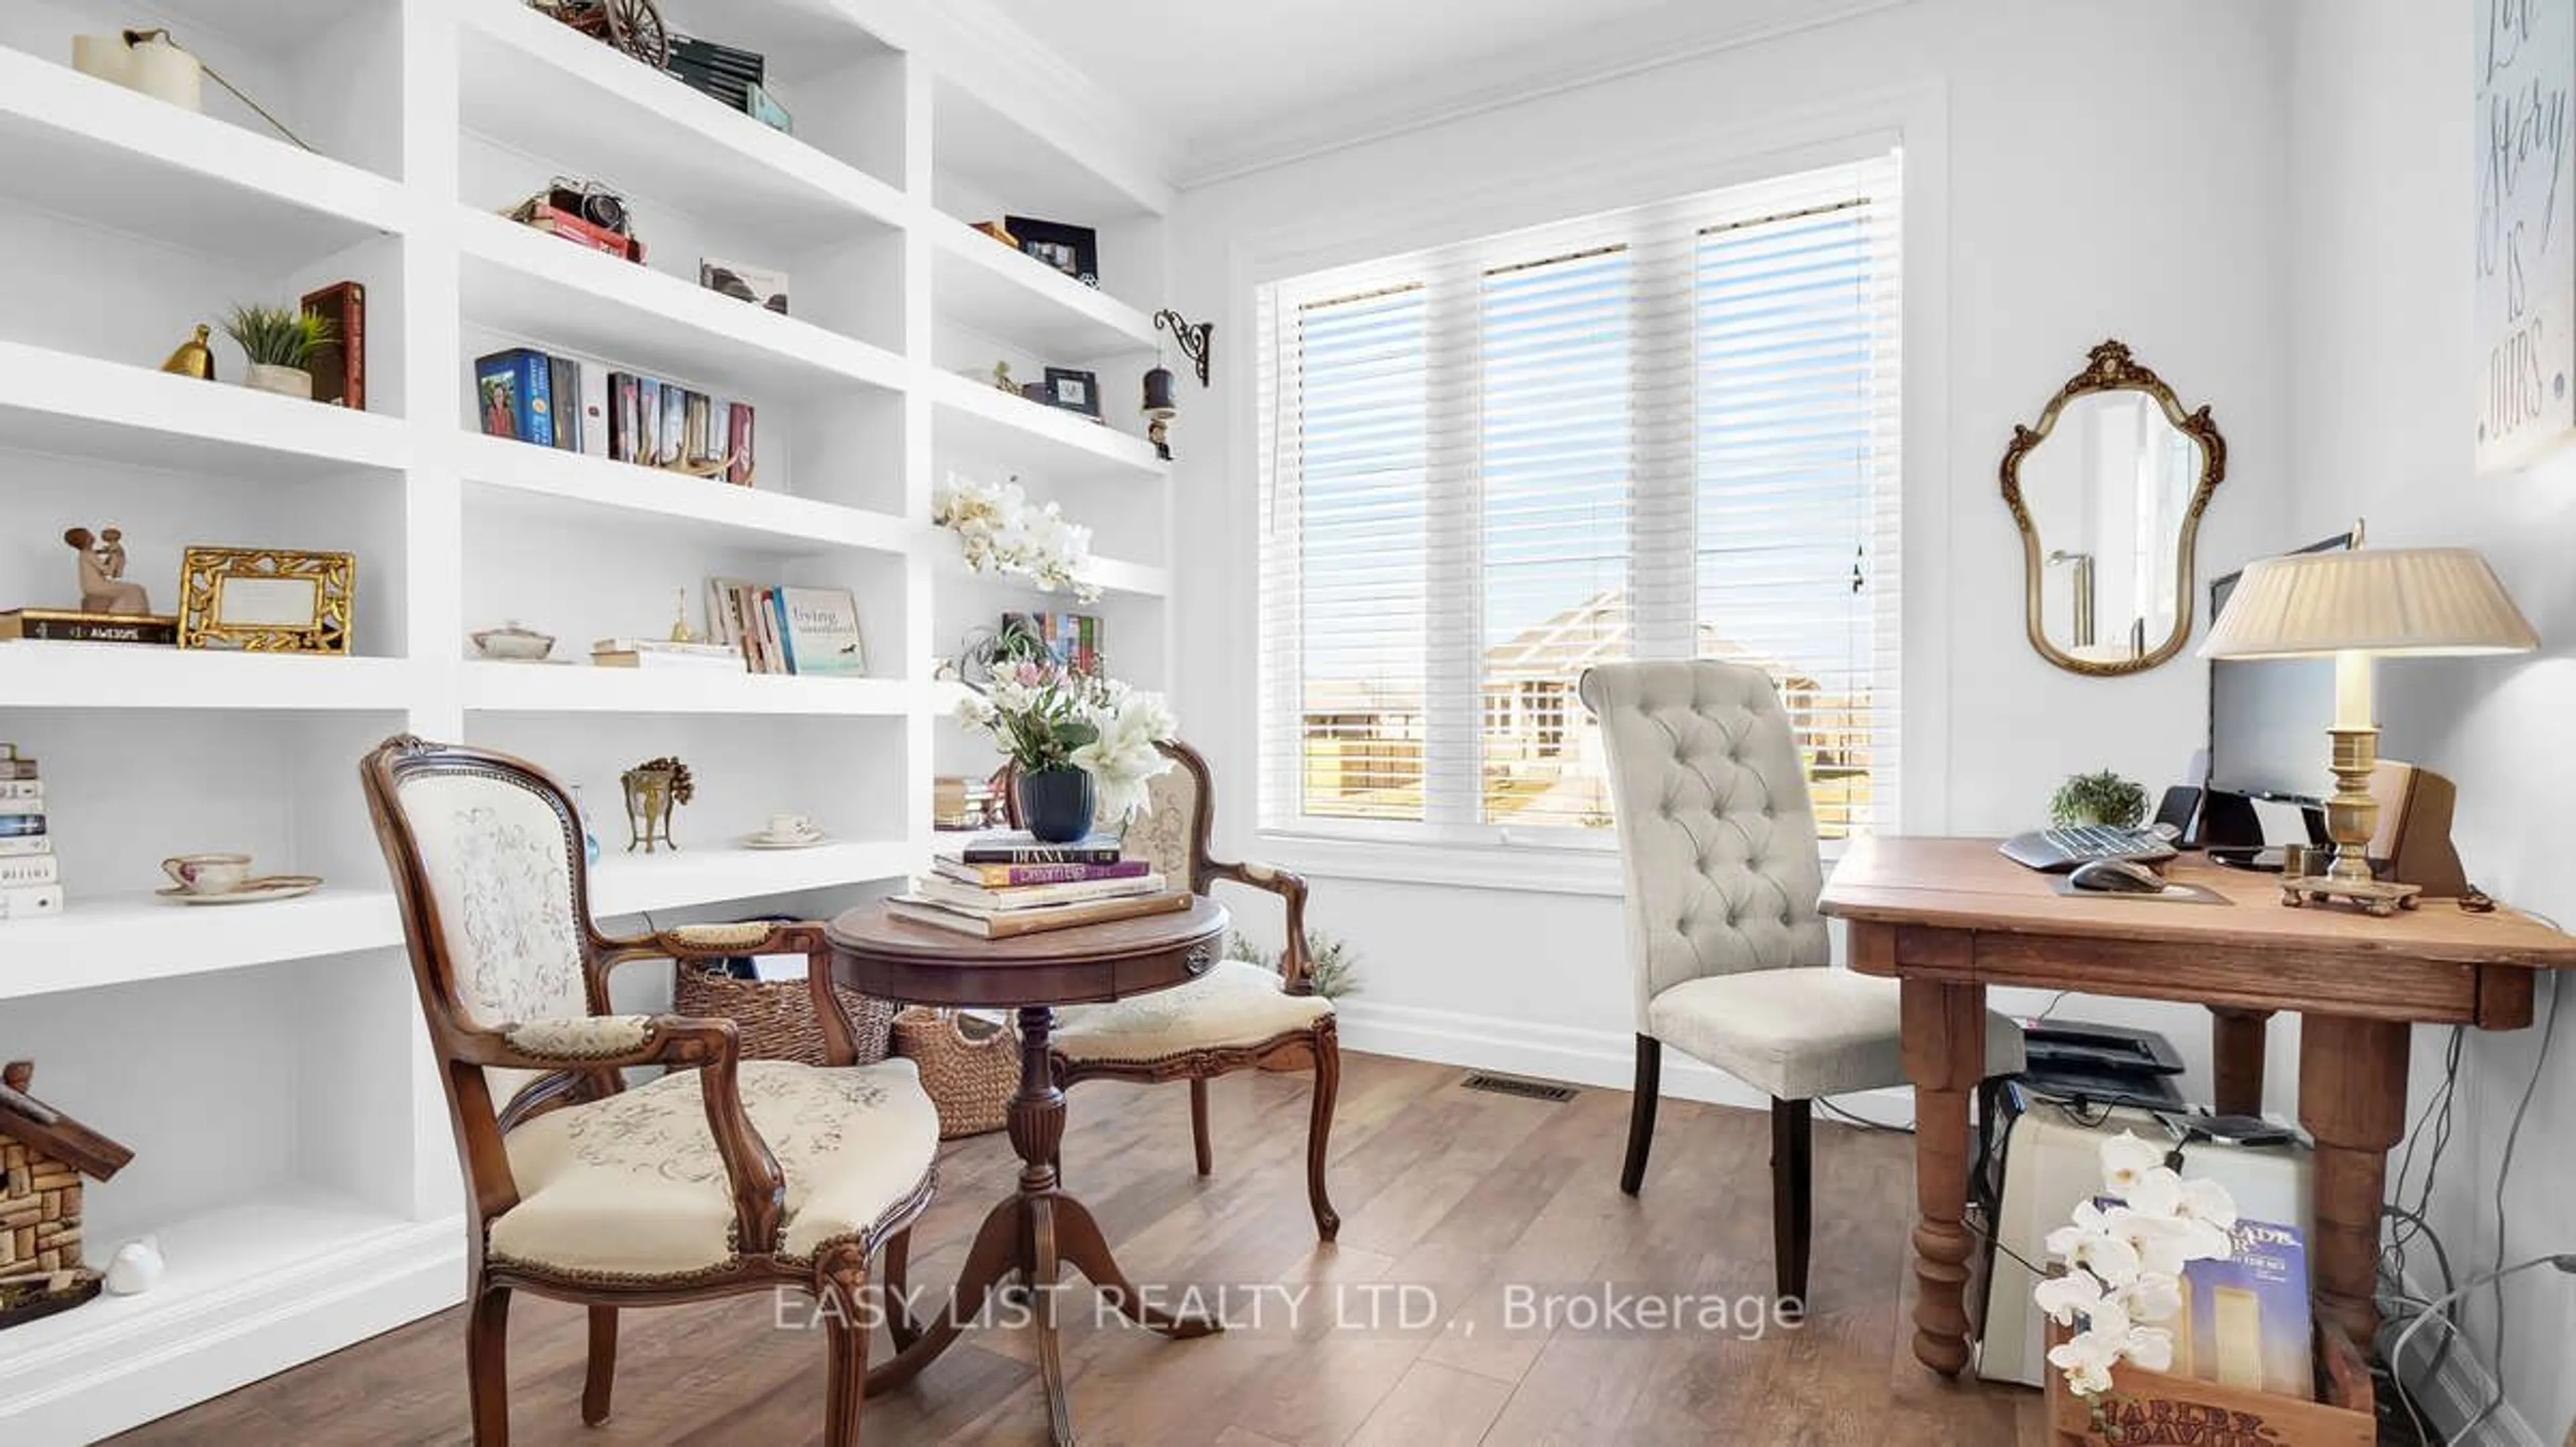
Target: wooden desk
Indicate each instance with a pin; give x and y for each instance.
(1948, 917)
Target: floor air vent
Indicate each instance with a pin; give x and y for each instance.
(1525, 1089)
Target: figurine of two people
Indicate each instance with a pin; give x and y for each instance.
(102, 574)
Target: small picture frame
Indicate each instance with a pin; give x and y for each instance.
(1073, 391)
(1073, 250)
(266, 600)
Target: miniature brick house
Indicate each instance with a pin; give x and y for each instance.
(43, 1156)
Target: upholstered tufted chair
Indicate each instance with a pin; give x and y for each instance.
(719, 1176)
(1731, 958)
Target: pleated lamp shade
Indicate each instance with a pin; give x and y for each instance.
(2386, 601)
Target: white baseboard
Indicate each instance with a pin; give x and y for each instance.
(2451, 1396)
(161, 1362)
(1569, 1053)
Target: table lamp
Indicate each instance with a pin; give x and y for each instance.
(2353, 606)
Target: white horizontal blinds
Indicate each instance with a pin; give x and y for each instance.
(1796, 538)
(1652, 433)
(1358, 501)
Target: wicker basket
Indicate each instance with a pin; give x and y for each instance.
(776, 1017)
(971, 1067)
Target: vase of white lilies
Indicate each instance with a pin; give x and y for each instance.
(2124, 1256)
(1081, 745)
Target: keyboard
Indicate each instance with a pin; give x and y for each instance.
(2054, 850)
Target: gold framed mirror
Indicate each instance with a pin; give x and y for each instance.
(2108, 490)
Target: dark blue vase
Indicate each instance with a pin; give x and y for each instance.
(1055, 804)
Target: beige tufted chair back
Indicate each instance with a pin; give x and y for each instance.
(1716, 835)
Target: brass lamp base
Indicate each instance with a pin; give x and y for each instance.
(2352, 815)
(2374, 897)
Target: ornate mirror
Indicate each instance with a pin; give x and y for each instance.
(2108, 491)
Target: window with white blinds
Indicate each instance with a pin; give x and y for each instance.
(1667, 432)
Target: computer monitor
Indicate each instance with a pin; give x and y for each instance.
(2268, 716)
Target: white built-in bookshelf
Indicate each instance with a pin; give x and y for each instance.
(265, 1061)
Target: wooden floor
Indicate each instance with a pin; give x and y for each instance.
(1451, 1193)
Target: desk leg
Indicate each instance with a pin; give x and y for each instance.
(1945, 1056)
(2352, 1098)
(2237, 1039)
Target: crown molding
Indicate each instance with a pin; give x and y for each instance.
(1642, 43)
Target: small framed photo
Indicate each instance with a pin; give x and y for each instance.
(1073, 391)
(266, 600)
(1073, 250)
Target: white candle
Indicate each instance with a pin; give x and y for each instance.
(2352, 689)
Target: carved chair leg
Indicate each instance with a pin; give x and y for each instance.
(846, 1331)
(1199, 1124)
(487, 1365)
(1792, 1195)
(1319, 1131)
(894, 1274)
(602, 1373)
(1641, 1112)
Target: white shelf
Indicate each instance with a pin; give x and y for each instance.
(1002, 294)
(523, 281)
(1113, 575)
(526, 77)
(84, 147)
(496, 687)
(117, 939)
(580, 488)
(68, 405)
(633, 883)
(980, 423)
(119, 675)
(251, 1288)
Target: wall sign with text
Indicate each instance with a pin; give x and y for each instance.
(2526, 251)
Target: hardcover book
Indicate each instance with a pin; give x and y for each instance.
(758, 285)
(693, 443)
(822, 631)
(977, 900)
(22, 788)
(339, 366)
(1004, 876)
(14, 767)
(563, 379)
(1034, 921)
(674, 432)
(513, 389)
(739, 435)
(28, 871)
(2249, 1322)
(58, 626)
(648, 422)
(1021, 847)
(25, 844)
(726, 662)
(31, 901)
(21, 826)
(594, 427)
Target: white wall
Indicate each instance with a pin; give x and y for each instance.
(2384, 404)
(2076, 171)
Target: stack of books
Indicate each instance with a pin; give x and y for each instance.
(1002, 885)
(663, 653)
(558, 402)
(808, 631)
(30, 877)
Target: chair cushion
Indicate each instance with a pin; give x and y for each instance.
(1235, 1003)
(631, 1186)
(1800, 1033)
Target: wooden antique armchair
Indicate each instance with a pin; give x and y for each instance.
(721, 1176)
(1238, 1016)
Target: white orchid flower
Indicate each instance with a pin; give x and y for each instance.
(2124, 1159)
(2155, 1193)
(2064, 1298)
(2086, 1361)
(2206, 1200)
(2152, 1298)
(2149, 1347)
(2107, 1256)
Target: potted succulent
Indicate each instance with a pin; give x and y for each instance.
(279, 343)
(2103, 798)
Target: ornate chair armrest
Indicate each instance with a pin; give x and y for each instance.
(1294, 968)
(752, 937)
(606, 1042)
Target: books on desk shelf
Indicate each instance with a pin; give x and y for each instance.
(30, 877)
(1007, 924)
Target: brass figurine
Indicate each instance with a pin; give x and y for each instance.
(194, 358)
(653, 789)
(681, 632)
(103, 588)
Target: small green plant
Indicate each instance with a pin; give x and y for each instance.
(1329, 962)
(2103, 798)
(279, 336)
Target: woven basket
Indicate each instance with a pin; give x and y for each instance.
(776, 1017)
(971, 1067)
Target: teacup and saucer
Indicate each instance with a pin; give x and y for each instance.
(787, 831)
(225, 878)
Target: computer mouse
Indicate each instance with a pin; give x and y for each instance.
(2116, 876)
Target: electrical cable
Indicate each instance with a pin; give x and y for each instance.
(2563, 1261)
(2504, 1176)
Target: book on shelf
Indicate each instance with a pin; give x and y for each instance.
(1034, 921)
(675, 425)
(729, 662)
(22, 826)
(1072, 639)
(512, 395)
(21, 789)
(596, 428)
(822, 631)
(339, 366)
(738, 439)
(646, 440)
(57, 625)
(19, 846)
(554, 221)
(15, 767)
(2247, 1317)
(563, 386)
(975, 899)
(665, 645)
(35, 901)
(26, 871)
(1003, 876)
(22, 806)
(763, 107)
(758, 285)
(1018, 846)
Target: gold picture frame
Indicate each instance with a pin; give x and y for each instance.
(266, 600)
